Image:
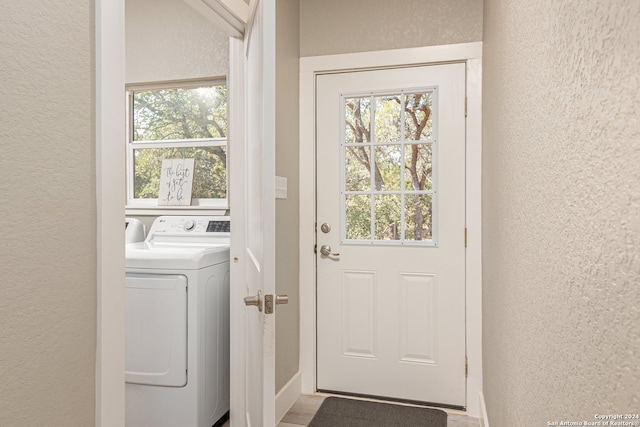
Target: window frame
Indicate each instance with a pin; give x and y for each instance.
(403, 142)
(150, 206)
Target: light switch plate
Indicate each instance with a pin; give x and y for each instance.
(281, 187)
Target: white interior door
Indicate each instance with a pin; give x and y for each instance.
(259, 216)
(391, 233)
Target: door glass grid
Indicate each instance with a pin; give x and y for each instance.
(388, 186)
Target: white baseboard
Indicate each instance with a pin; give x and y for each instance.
(484, 418)
(287, 396)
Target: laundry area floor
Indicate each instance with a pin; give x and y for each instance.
(304, 409)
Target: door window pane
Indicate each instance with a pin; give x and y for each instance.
(387, 121)
(418, 167)
(357, 165)
(417, 116)
(418, 217)
(388, 217)
(358, 218)
(357, 120)
(388, 164)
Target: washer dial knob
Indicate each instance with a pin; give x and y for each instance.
(189, 225)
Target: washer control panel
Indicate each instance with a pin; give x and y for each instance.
(215, 226)
(190, 225)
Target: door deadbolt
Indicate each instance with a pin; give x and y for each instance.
(325, 228)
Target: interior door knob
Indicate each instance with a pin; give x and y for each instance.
(256, 300)
(269, 299)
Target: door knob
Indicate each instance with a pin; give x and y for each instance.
(326, 251)
(256, 300)
(268, 302)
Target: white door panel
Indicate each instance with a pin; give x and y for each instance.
(259, 215)
(391, 185)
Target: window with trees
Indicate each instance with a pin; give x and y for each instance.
(387, 151)
(174, 121)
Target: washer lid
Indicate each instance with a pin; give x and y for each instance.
(175, 256)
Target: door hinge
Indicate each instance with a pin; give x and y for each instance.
(465, 237)
(465, 106)
(466, 367)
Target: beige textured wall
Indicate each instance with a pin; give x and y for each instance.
(345, 26)
(287, 217)
(561, 197)
(48, 214)
(169, 40)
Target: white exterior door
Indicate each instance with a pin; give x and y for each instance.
(259, 217)
(391, 233)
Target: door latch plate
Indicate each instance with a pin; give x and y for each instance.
(268, 304)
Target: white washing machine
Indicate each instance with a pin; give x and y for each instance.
(177, 324)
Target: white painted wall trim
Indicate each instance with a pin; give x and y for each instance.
(228, 15)
(484, 418)
(310, 67)
(474, 233)
(389, 58)
(110, 173)
(287, 396)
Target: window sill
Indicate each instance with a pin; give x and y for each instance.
(136, 210)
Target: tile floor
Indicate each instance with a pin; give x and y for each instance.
(306, 406)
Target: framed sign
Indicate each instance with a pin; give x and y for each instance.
(176, 182)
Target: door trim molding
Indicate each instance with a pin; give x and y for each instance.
(237, 107)
(110, 201)
(310, 67)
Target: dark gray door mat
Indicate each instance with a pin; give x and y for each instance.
(338, 412)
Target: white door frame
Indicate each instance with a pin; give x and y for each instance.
(237, 324)
(110, 200)
(310, 67)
